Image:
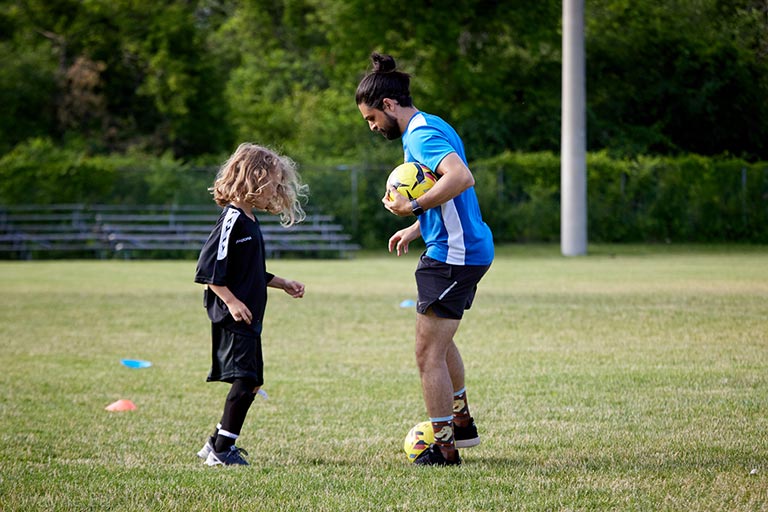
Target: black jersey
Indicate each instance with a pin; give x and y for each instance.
(233, 256)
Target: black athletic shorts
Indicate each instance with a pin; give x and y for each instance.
(235, 356)
(447, 289)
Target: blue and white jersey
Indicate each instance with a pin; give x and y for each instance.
(454, 232)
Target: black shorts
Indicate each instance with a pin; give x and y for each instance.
(447, 289)
(235, 356)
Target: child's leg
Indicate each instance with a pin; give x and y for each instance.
(239, 400)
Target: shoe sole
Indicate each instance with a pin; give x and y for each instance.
(213, 461)
(467, 443)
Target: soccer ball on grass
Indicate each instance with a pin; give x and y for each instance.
(418, 439)
(411, 180)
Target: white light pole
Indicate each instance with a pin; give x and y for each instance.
(573, 135)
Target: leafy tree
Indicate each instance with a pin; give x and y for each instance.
(198, 76)
(490, 68)
(678, 76)
(27, 83)
(127, 72)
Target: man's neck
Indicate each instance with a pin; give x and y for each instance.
(404, 117)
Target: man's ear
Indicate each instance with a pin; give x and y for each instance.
(389, 104)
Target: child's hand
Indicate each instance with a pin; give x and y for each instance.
(236, 307)
(240, 312)
(293, 288)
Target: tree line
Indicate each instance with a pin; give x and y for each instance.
(131, 101)
(195, 77)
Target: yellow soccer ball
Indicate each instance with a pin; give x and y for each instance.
(418, 439)
(411, 179)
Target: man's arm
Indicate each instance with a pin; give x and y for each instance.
(455, 178)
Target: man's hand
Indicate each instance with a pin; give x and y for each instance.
(400, 240)
(396, 203)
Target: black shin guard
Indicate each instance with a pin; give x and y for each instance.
(236, 407)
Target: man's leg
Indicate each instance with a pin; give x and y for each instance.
(464, 430)
(455, 366)
(434, 339)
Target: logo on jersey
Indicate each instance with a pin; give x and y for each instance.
(226, 230)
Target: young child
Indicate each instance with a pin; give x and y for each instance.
(232, 266)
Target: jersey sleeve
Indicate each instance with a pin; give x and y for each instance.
(213, 260)
(429, 146)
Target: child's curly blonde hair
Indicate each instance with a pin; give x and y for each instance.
(249, 169)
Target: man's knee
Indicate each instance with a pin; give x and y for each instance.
(430, 352)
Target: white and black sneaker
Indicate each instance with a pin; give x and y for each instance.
(208, 448)
(229, 457)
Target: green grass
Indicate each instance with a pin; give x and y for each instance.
(632, 379)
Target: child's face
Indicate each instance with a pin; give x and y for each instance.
(265, 198)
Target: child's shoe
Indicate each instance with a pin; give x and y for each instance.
(229, 457)
(208, 448)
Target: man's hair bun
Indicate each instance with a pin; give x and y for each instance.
(382, 63)
(384, 81)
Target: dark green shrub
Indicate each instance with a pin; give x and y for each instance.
(648, 199)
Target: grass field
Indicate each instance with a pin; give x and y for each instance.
(632, 379)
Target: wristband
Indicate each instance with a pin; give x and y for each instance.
(416, 208)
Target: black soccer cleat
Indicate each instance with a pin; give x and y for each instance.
(433, 456)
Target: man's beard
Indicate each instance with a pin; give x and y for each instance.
(392, 129)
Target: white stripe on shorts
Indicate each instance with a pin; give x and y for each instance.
(447, 290)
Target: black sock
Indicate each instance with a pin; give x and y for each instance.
(236, 407)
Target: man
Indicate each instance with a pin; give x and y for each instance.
(459, 249)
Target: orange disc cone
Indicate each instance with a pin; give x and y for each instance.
(121, 405)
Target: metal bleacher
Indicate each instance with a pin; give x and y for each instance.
(147, 231)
